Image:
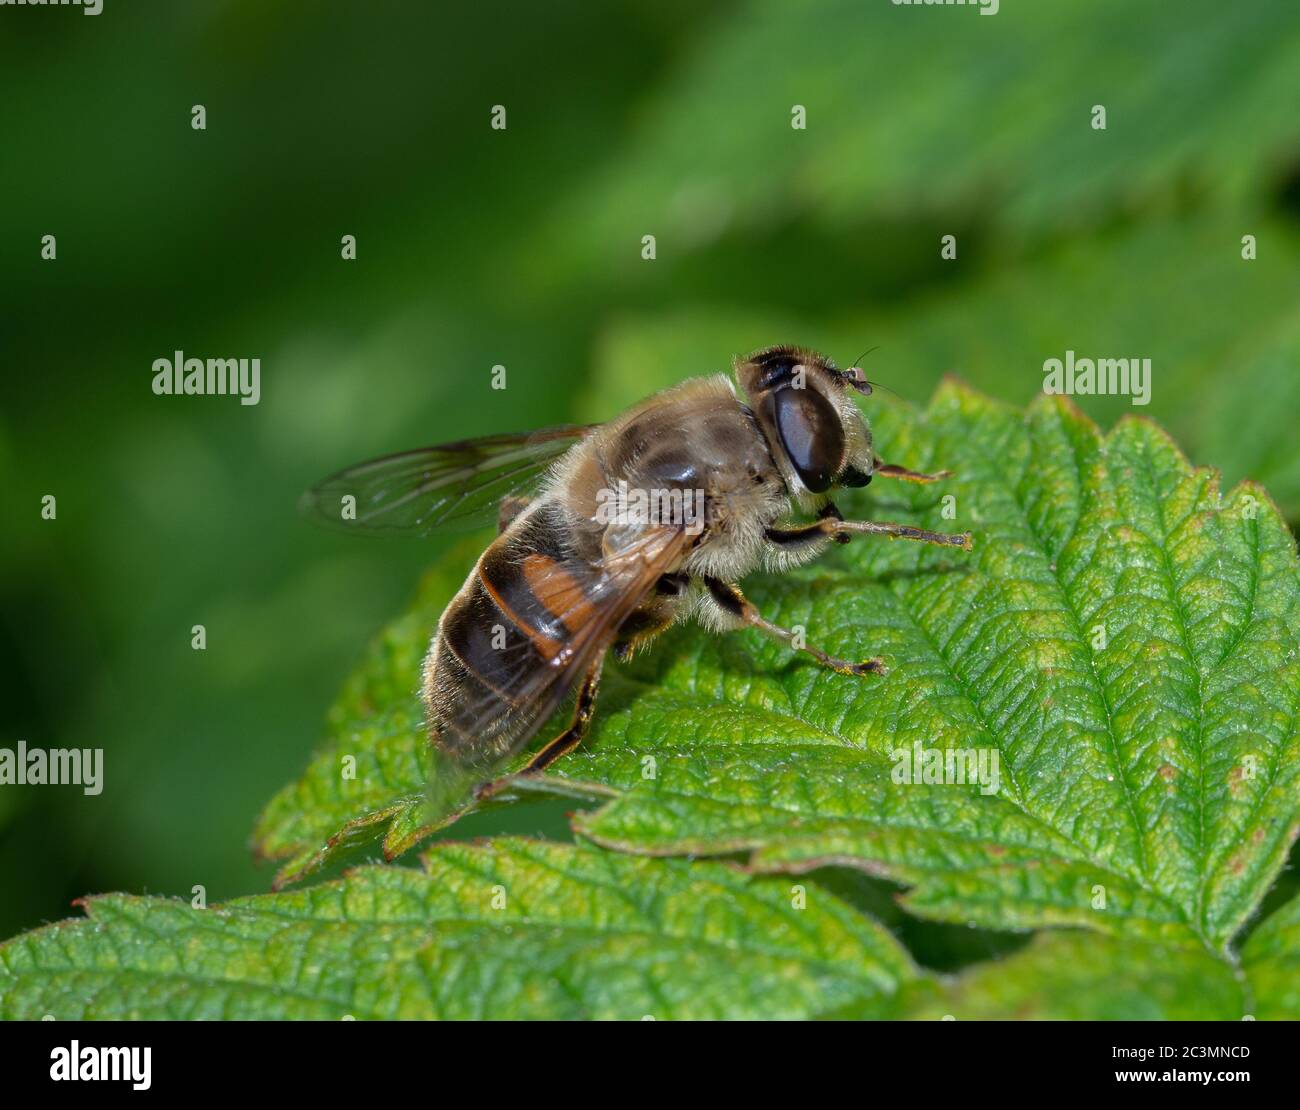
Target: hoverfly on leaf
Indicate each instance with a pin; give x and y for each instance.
(611, 533)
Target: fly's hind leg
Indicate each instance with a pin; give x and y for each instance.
(569, 739)
(738, 607)
(572, 736)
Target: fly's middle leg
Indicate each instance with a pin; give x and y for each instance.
(738, 607)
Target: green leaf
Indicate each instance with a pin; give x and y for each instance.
(1157, 770)
(1070, 975)
(1150, 780)
(374, 762)
(510, 928)
(1272, 959)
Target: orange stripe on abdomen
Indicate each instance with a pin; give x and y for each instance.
(556, 590)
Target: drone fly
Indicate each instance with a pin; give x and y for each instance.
(609, 534)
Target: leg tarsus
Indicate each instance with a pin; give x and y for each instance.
(888, 470)
(905, 532)
(843, 530)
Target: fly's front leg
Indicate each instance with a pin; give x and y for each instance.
(888, 470)
(831, 525)
(739, 608)
(843, 530)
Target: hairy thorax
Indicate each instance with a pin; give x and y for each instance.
(696, 456)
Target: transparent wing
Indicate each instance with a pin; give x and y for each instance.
(593, 614)
(452, 485)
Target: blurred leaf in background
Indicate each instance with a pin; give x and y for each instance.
(522, 248)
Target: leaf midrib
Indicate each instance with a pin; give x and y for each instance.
(1180, 614)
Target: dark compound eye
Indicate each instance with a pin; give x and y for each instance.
(811, 434)
(777, 369)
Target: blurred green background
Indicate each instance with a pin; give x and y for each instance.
(523, 248)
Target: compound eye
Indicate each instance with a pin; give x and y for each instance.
(811, 434)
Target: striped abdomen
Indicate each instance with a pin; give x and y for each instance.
(500, 662)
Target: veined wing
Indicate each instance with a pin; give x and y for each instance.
(452, 485)
(562, 614)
